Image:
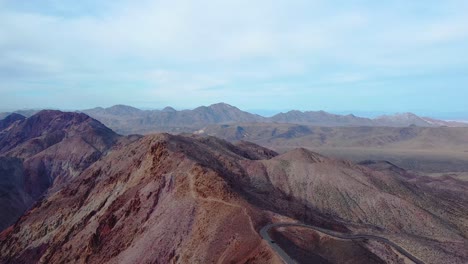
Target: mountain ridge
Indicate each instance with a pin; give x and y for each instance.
(177, 198)
(126, 119)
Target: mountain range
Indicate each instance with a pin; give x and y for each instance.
(428, 149)
(129, 120)
(76, 191)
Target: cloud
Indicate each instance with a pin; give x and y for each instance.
(214, 48)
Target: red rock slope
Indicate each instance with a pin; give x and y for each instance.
(53, 147)
(186, 199)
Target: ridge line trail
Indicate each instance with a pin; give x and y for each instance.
(244, 210)
(196, 196)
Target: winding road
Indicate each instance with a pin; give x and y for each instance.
(287, 259)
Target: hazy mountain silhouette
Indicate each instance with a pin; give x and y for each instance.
(130, 120)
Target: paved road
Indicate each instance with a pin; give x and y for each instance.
(289, 260)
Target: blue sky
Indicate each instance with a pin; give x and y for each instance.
(362, 56)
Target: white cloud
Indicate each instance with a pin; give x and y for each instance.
(183, 46)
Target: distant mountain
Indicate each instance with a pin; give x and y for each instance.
(403, 119)
(189, 199)
(25, 113)
(430, 149)
(116, 110)
(46, 150)
(437, 122)
(320, 118)
(129, 120)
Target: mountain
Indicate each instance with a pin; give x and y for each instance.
(129, 120)
(26, 113)
(116, 110)
(189, 199)
(403, 119)
(320, 118)
(437, 122)
(428, 149)
(46, 150)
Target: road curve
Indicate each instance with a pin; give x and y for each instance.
(287, 259)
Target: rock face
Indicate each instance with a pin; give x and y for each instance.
(191, 199)
(53, 147)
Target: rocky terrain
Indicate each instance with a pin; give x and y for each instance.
(47, 149)
(192, 199)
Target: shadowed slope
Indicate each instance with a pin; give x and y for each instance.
(10, 119)
(191, 199)
(14, 200)
(157, 199)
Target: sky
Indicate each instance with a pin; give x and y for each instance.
(263, 55)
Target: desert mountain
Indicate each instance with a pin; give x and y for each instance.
(320, 118)
(402, 119)
(47, 149)
(25, 113)
(429, 138)
(129, 120)
(428, 149)
(189, 199)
